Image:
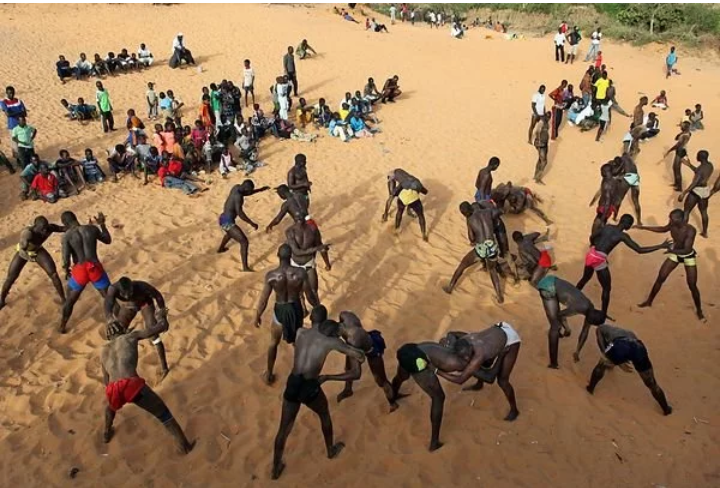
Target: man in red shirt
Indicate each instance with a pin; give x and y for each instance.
(45, 185)
(172, 175)
(558, 106)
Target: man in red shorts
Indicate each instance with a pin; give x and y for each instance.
(80, 244)
(535, 262)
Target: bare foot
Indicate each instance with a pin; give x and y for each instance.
(667, 411)
(576, 357)
(336, 450)
(425, 238)
(700, 315)
(512, 415)
(268, 378)
(704, 234)
(553, 366)
(108, 435)
(277, 470)
(434, 446)
(344, 394)
(476, 387)
(645, 304)
(62, 329)
(221, 250)
(447, 289)
(189, 447)
(540, 182)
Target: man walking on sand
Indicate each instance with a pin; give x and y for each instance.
(595, 38)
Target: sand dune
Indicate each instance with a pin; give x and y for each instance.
(463, 102)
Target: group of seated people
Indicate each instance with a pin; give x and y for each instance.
(101, 67)
(40, 180)
(81, 111)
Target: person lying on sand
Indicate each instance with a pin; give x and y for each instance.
(682, 252)
(137, 296)
(30, 250)
(555, 291)
(495, 351)
(407, 189)
(233, 209)
(304, 385)
(518, 199)
(289, 283)
(618, 348)
(373, 345)
(423, 362)
(123, 385)
(531, 263)
(80, 244)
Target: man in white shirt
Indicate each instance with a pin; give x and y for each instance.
(594, 45)
(393, 11)
(560, 46)
(537, 107)
(248, 82)
(145, 56)
(180, 52)
(282, 89)
(433, 19)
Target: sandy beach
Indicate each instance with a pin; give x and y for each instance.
(463, 102)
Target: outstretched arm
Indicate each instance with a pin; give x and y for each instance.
(654, 228)
(581, 340)
(278, 218)
(160, 327)
(104, 235)
(627, 240)
(56, 228)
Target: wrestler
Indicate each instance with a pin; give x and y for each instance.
(138, 296)
(682, 140)
(30, 250)
(119, 359)
(289, 283)
(297, 178)
(534, 262)
(628, 179)
(484, 180)
(607, 198)
(518, 199)
(80, 244)
(682, 251)
(232, 210)
(699, 191)
(407, 189)
(305, 240)
(397, 181)
(373, 345)
(304, 386)
(293, 203)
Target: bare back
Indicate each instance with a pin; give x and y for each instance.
(119, 357)
(311, 351)
(287, 283)
(481, 224)
(82, 241)
(488, 343)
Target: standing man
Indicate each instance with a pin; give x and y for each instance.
(595, 38)
(683, 236)
(289, 283)
(619, 347)
(670, 62)
(14, 108)
(484, 180)
(289, 66)
(699, 191)
(682, 140)
(558, 107)
(137, 296)
(297, 178)
(304, 386)
(407, 189)
(30, 249)
(393, 13)
(23, 137)
(248, 82)
(231, 211)
(560, 45)
(628, 179)
(80, 244)
(574, 41)
(555, 291)
(306, 241)
(537, 110)
(102, 97)
(293, 203)
(541, 141)
(607, 196)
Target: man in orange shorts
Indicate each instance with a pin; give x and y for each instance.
(80, 244)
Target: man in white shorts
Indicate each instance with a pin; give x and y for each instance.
(305, 240)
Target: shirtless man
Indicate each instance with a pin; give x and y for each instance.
(423, 362)
(297, 178)
(391, 90)
(518, 199)
(607, 198)
(639, 112)
(397, 181)
(232, 210)
(304, 386)
(293, 203)
(306, 241)
(30, 249)
(535, 262)
(119, 359)
(137, 296)
(626, 172)
(484, 180)
(619, 347)
(682, 251)
(499, 229)
(500, 344)
(682, 140)
(699, 191)
(485, 247)
(288, 283)
(80, 244)
(555, 291)
(603, 241)
(373, 345)
(407, 189)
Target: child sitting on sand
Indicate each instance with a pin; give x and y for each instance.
(661, 101)
(81, 111)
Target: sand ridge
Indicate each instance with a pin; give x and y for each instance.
(463, 102)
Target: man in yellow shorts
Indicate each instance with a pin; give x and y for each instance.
(407, 189)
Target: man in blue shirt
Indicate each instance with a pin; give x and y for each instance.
(14, 109)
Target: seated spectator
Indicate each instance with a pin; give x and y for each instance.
(359, 128)
(344, 112)
(338, 128)
(661, 101)
(145, 56)
(121, 160)
(391, 90)
(100, 66)
(135, 127)
(187, 142)
(27, 175)
(126, 61)
(376, 27)
(83, 67)
(371, 93)
(151, 164)
(303, 50)
(300, 136)
(227, 165)
(92, 171)
(142, 149)
(245, 143)
(113, 64)
(363, 108)
(135, 62)
(686, 117)
(696, 119)
(172, 175)
(282, 128)
(159, 139)
(45, 185)
(199, 134)
(346, 99)
(69, 174)
(322, 114)
(579, 111)
(212, 149)
(652, 126)
(303, 113)
(260, 124)
(180, 52)
(63, 68)
(85, 111)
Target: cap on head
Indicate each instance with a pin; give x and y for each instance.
(318, 314)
